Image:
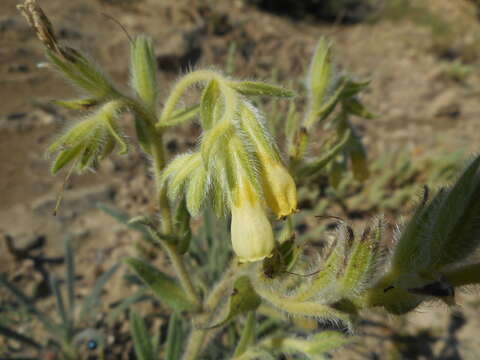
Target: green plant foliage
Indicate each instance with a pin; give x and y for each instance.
(144, 349)
(164, 287)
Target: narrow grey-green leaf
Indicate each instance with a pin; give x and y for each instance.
(54, 329)
(78, 104)
(174, 338)
(141, 339)
(317, 165)
(93, 299)
(12, 334)
(352, 88)
(55, 287)
(163, 286)
(124, 219)
(70, 262)
(126, 303)
(355, 107)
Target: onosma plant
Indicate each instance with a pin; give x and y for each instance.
(243, 173)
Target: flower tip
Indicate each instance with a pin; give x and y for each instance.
(251, 232)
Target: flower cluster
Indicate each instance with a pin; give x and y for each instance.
(237, 166)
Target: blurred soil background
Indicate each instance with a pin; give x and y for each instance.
(423, 58)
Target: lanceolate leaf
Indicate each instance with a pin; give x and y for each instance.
(93, 299)
(242, 300)
(319, 164)
(70, 262)
(144, 71)
(208, 102)
(12, 334)
(174, 338)
(259, 88)
(319, 75)
(53, 328)
(180, 116)
(141, 339)
(163, 286)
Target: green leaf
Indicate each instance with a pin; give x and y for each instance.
(65, 157)
(231, 56)
(175, 337)
(317, 165)
(454, 234)
(126, 303)
(355, 107)
(183, 231)
(362, 261)
(292, 124)
(70, 262)
(141, 339)
(144, 71)
(247, 337)
(242, 300)
(358, 158)
(55, 286)
(210, 97)
(180, 171)
(119, 137)
(79, 104)
(352, 88)
(163, 286)
(53, 328)
(142, 129)
(318, 345)
(83, 73)
(93, 299)
(12, 334)
(180, 116)
(319, 75)
(252, 88)
(330, 101)
(124, 219)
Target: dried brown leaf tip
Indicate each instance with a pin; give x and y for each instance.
(40, 23)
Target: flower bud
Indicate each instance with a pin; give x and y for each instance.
(279, 187)
(252, 234)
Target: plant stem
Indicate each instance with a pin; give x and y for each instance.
(197, 339)
(163, 203)
(182, 273)
(157, 151)
(247, 335)
(195, 344)
(182, 85)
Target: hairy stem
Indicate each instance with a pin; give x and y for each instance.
(247, 335)
(181, 272)
(180, 88)
(198, 337)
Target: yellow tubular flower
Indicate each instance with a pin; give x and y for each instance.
(279, 187)
(251, 231)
